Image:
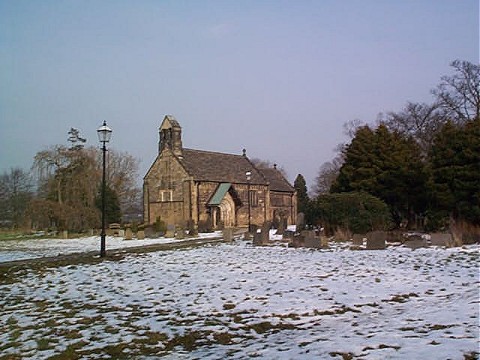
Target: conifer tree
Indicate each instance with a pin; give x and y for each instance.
(112, 205)
(300, 186)
(387, 165)
(455, 167)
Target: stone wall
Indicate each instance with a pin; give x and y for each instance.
(167, 191)
(283, 202)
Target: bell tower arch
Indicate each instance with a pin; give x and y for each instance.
(170, 136)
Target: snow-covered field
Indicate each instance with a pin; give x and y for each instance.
(36, 248)
(237, 301)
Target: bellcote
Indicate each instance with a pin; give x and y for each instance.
(170, 136)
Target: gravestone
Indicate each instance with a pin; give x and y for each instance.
(282, 225)
(114, 229)
(441, 239)
(228, 234)
(300, 221)
(140, 234)
(180, 234)
(308, 233)
(170, 231)
(357, 239)
(149, 232)
(262, 237)
(267, 225)
(395, 237)
(288, 235)
(128, 234)
(415, 242)
(298, 241)
(376, 240)
(312, 242)
(257, 239)
(324, 242)
(120, 233)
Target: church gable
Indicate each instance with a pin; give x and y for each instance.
(276, 180)
(165, 178)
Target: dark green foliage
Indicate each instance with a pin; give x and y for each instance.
(300, 186)
(455, 169)
(358, 212)
(112, 205)
(423, 162)
(160, 226)
(387, 165)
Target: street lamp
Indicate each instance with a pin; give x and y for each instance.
(104, 134)
(248, 174)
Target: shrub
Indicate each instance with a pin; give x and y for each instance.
(357, 212)
(160, 226)
(205, 226)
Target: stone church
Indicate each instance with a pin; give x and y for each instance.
(204, 187)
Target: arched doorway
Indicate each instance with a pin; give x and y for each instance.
(227, 211)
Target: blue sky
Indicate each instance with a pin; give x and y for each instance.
(279, 78)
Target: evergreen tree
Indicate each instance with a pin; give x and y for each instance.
(112, 205)
(387, 165)
(300, 186)
(455, 168)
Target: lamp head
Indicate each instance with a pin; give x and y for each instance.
(104, 133)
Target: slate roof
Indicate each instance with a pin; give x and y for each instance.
(277, 180)
(220, 167)
(172, 120)
(219, 194)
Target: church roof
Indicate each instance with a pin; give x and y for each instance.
(277, 180)
(220, 167)
(172, 120)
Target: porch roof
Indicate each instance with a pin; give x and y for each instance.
(219, 194)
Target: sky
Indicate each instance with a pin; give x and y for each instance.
(278, 78)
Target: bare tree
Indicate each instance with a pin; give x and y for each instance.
(123, 178)
(266, 164)
(46, 164)
(417, 120)
(15, 194)
(459, 94)
(327, 174)
(350, 127)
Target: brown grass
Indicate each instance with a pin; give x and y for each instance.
(342, 235)
(463, 233)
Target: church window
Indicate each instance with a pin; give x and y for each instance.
(166, 195)
(253, 198)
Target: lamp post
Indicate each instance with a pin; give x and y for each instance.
(248, 174)
(104, 134)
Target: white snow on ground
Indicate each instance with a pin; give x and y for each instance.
(37, 248)
(237, 301)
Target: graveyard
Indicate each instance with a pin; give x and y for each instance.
(245, 298)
